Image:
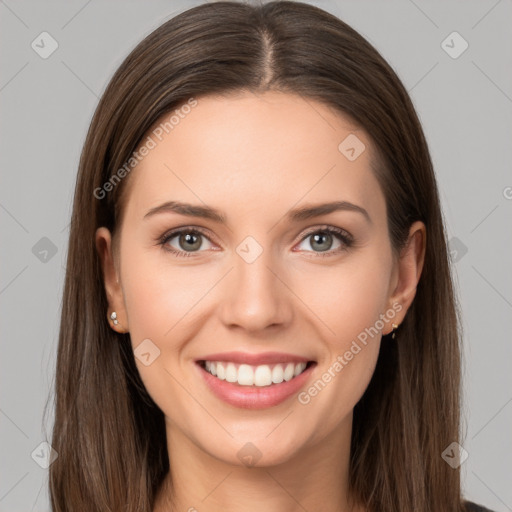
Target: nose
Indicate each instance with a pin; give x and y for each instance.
(256, 296)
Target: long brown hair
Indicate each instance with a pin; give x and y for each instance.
(108, 432)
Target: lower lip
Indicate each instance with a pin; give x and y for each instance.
(254, 397)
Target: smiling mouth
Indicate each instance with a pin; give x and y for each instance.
(255, 375)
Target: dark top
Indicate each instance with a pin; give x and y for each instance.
(473, 507)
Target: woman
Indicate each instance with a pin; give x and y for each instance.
(258, 310)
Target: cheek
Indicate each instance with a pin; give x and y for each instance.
(160, 304)
(349, 302)
(349, 297)
(157, 295)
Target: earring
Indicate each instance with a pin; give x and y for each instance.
(113, 317)
(393, 332)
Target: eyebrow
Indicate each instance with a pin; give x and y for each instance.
(295, 215)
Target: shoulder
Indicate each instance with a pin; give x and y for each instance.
(469, 506)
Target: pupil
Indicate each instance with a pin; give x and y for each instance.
(189, 239)
(322, 236)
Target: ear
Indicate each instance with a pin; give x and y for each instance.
(112, 285)
(406, 274)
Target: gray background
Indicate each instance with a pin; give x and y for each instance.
(46, 105)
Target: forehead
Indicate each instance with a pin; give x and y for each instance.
(254, 152)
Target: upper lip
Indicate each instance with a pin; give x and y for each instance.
(254, 359)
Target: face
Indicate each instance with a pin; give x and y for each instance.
(286, 307)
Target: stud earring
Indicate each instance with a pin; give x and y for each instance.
(113, 317)
(393, 332)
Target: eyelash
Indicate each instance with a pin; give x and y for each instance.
(342, 235)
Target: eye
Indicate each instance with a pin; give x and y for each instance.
(321, 240)
(185, 242)
(188, 241)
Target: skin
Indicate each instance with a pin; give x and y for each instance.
(254, 157)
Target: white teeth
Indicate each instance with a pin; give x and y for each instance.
(277, 374)
(231, 373)
(247, 375)
(221, 371)
(263, 376)
(299, 368)
(289, 371)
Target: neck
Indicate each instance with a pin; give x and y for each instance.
(318, 474)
